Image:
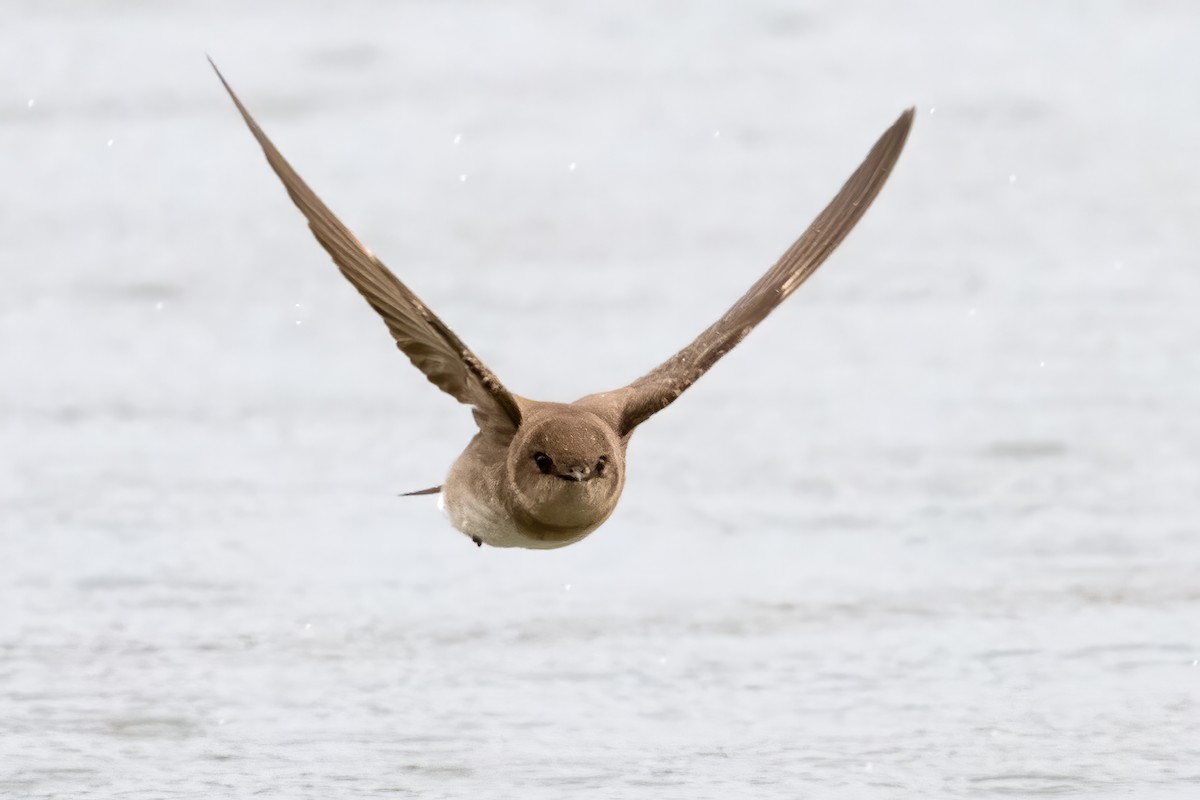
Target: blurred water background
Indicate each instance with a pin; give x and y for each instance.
(931, 531)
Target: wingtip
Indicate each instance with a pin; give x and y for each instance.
(237, 102)
(899, 130)
(225, 83)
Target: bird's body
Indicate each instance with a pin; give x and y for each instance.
(542, 475)
(498, 493)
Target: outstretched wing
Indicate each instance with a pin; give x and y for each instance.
(429, 344)
(657, 389)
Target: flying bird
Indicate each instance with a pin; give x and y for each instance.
(539, 474)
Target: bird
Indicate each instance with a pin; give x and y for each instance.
(543, 475)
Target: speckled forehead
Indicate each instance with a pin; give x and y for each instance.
(577, 434)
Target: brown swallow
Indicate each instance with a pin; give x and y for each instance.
(544, 475)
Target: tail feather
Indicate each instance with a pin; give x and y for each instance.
(430, 490)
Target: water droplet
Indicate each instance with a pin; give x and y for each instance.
(933, 109)
(30, 103)
(109, 143)
(462, 178)
(297, 322)
(571, 167)
(1041, 363)
(307, 625)
(457, 138)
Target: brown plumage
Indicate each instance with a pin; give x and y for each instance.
(540, 474)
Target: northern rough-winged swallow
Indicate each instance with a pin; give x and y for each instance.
(544, 475)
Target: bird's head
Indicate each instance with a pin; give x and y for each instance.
(566, 468)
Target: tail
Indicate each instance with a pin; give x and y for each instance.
(431, 490)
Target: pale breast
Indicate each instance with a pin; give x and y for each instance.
(472, 498)
(483, 516)
(480, 518)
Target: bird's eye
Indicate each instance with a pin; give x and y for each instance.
(600, 465)
(544, 462)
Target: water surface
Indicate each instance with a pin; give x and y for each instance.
(931, 531)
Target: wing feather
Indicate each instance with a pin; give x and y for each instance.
(660, 387)
(431, 346)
